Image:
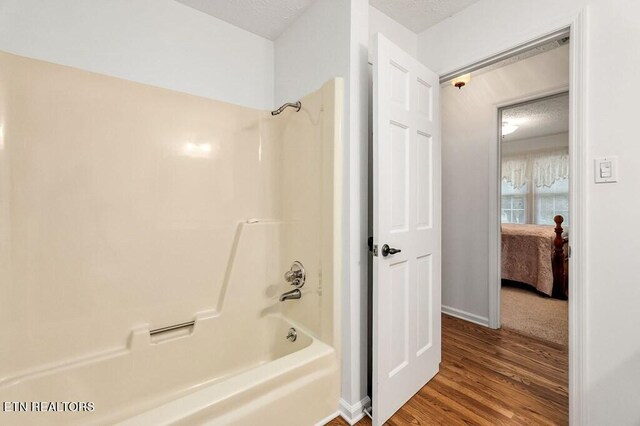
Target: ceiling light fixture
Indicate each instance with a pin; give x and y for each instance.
(507, 128)
(461, 81)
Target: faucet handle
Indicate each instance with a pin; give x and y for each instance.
(296, 275)
(291, 276)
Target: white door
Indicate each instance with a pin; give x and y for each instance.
(406, 218)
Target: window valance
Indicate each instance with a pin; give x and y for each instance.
(541, 169)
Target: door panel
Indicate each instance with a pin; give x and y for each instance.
(406, 216)
(399, 171)
(423, 304)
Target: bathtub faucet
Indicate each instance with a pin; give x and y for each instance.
(296, 275)
(289, 295)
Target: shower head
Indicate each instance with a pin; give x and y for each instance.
(296, 105)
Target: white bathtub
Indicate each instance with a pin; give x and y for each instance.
(113, 223)
(197, 375)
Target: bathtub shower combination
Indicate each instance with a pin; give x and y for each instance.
(165, 258)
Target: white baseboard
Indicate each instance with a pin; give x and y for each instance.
(467, 316)
(352, 414)
(328, 419)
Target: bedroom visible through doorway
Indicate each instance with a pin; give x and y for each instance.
(534, 215)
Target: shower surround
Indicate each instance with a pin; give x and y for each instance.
(126, 208)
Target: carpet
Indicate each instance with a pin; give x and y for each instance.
(527, 312)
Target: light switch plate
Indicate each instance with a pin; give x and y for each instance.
(606, 169)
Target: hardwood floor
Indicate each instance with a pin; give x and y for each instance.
(490, 377)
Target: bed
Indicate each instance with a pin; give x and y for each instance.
(536, 255)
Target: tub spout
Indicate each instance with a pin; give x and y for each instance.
(293, 294)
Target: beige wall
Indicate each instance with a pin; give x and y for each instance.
(306, 141)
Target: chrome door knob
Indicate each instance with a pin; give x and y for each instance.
(386, 250)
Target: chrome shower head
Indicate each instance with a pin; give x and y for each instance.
(296, 105)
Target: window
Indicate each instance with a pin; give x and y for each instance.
(551, 201)
(539, 206)
(514, 203)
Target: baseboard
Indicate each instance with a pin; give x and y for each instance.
(467, 316)
(328, 419)
(352, 414)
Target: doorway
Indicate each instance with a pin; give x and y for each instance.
(534, 216)
(471, 171)
(475, 217)
(472, 213)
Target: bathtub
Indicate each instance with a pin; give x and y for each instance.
(132, 209)
(193, 375)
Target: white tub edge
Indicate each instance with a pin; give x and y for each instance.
(192, 404)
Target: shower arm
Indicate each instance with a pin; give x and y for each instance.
(296, 105)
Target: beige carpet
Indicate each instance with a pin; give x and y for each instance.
(529, 313)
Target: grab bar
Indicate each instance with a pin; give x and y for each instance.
(172, 327)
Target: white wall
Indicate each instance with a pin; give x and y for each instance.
(549, 142)
(312, 50)
(330, 40)
(400, 35)
(356, 375)
(158, 42)
(488, 27)
(610, 284)
(469, 126)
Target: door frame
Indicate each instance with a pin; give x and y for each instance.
(578, 178)
(495, 239)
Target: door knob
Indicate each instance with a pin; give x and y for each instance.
(386, 250)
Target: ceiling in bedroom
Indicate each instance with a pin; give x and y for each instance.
(543, 118)
(269, 18)
(266, 18)
(418, 15)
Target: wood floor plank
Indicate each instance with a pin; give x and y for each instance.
(514, 393)
(496, 407)
(510, 368)
(533, 361)
(489, 377)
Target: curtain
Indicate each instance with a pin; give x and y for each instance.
(549, 168)
(515, 171)
(542, 169)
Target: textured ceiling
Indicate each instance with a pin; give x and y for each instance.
(266, 18)
(537, 119)
(418, 15)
